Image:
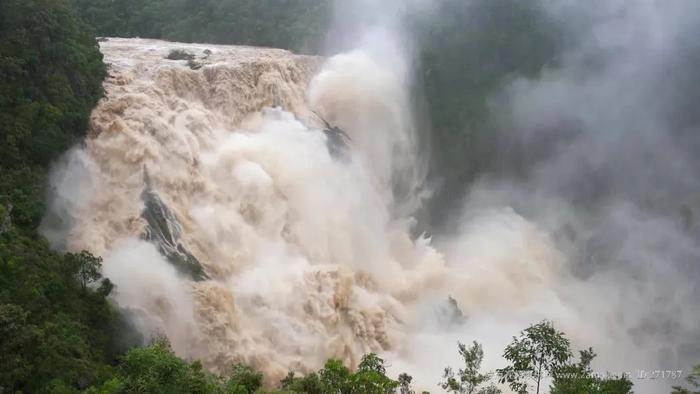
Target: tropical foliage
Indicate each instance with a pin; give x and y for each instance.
(291, 24)
(56, 324)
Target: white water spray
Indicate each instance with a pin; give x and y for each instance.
(306, 255)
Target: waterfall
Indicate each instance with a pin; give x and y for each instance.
(257, 205)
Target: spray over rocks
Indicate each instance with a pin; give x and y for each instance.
(224, 218)
(293, 252)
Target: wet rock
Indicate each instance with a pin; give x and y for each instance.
(165, 231)
(450, 314)
(337, 139)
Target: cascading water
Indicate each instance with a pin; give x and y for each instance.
(283, 253)
(227, 223)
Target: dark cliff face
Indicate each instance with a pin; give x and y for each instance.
(164, 230)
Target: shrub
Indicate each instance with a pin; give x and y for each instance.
(179, 54)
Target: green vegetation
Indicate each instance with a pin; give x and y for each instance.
(334, 377)
(693, 380)
(156, 369)
(469, 379)
(579, 378)
(179, 54)
(299, 25)
(50, 78)
(467, 51)
(539, 351)
(56, 325)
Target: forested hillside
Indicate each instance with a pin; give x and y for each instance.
(468, 51)
(56, 325)
(298, 24)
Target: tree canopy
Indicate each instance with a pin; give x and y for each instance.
(299, 25)
(56, 324)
